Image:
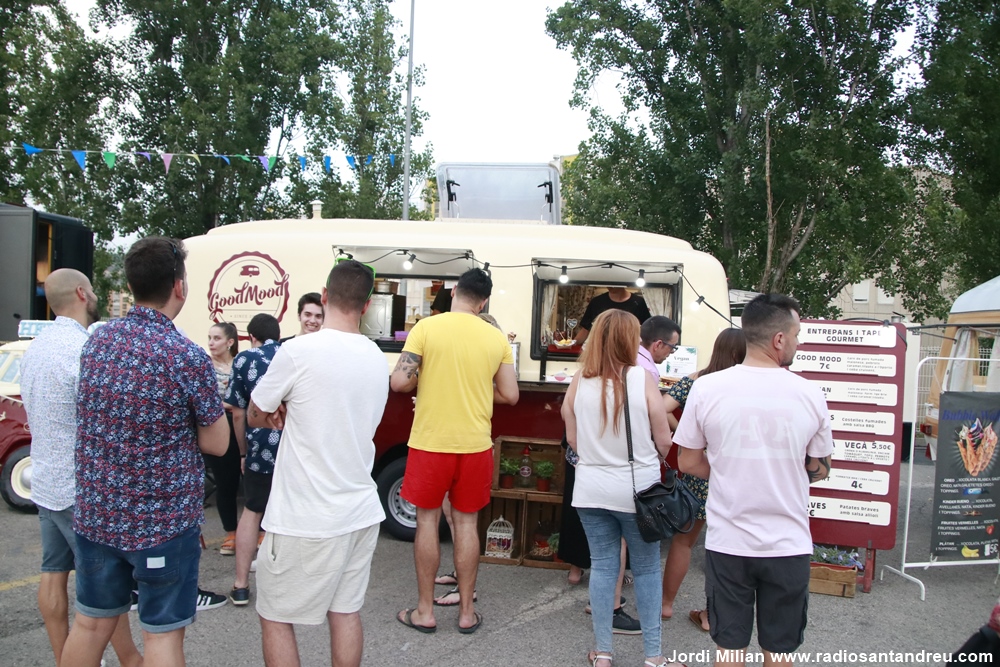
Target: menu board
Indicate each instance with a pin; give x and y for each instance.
(859, 368)
(966, 513)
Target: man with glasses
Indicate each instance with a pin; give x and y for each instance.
(658, 338)
(327, 391)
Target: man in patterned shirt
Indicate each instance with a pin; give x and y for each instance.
(49, 373)
(147, 409)
(258, 446)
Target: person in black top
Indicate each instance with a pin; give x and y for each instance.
(615, 297)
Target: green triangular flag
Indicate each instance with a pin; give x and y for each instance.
(110, 158)
(243, 157)
(271, 160)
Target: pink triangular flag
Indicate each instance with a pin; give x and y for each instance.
(167, 157)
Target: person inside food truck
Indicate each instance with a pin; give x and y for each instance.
(615, 297)
(310, 315)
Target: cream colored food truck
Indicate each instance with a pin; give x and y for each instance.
(543, 278)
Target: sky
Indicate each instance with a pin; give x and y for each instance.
(496, 87)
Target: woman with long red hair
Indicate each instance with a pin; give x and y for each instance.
(607, 384)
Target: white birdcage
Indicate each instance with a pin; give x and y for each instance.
(500, 539)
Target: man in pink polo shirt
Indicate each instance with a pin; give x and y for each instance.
(658, 338)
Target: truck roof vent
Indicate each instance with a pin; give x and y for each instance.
(317, 209)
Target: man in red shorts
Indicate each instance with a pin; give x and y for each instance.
(464, 366)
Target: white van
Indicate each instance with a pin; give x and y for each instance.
(543, 278)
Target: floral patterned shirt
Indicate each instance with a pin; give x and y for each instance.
(249, 367)
(144, 389)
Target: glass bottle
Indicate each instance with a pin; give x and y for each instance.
(524, 474)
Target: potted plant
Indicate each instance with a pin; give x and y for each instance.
(508, 469)
(543, 473)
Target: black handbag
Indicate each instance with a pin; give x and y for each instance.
(665, 508)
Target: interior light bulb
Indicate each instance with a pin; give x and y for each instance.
(408, 264)
(641, 280)
(563, 278)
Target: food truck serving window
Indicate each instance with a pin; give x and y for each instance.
(564, 288)
(409, 283)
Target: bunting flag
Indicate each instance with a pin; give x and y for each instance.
(268, 162)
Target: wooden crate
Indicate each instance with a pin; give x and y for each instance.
(836, 580)
(543, 509)
(541, 450)
(508, 503)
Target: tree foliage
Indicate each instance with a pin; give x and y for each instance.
(759, 130)
(957, 114)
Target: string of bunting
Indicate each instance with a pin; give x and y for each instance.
(266, 161)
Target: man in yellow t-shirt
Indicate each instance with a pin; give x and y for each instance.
(464, 366)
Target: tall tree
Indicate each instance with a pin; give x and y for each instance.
(759, 130)
(956, 110)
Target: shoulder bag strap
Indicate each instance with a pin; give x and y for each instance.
(628, 427)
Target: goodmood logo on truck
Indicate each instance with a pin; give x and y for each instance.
(245, 285)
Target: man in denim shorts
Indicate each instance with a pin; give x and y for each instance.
(49, 373)
(464, 366)
(147, 409)
(764, 435)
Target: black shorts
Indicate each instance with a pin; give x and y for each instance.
(778, 587)
(256, 490)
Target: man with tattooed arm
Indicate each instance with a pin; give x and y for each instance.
(752, 426)
(462, 366)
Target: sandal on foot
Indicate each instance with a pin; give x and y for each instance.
(594, 656)
(450, 579)
(406, 618)
(662, 663)
(453, 599)
(695, 617)
(628, 580)
(475, 626)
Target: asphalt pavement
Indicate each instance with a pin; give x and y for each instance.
(532, 616)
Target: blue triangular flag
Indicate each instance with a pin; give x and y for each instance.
(302, 161)
(392, 159)
(223, 158)
(350, 161)
(31, 150)
(369, 160)
(326, 163)
(81, 158)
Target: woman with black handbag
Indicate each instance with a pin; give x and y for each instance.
(606, 394)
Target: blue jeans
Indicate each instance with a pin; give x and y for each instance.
(605, 529)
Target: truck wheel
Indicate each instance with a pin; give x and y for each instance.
(15, 480)
(400, 515)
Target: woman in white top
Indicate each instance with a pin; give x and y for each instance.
(595, 428)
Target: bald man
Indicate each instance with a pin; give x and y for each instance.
(49, 373)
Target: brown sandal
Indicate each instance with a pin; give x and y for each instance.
(695, 617)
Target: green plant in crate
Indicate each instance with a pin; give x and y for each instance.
(543, 474)
(508, 469)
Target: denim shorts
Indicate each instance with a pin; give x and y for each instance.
(58, 539)
(166, 576)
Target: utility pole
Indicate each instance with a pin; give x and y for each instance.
(409, 120)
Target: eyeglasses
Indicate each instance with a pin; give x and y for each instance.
(673, 348)
(370, 267)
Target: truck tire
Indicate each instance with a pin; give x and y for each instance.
(400, 516)
(15, 480)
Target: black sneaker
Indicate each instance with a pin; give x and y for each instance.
(209, 600)
(239, 596)
(135, 601)
(623, 624)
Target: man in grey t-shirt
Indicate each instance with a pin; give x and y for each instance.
(49, 374)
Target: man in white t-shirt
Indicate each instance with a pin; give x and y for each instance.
(327, 391)
(764, 435)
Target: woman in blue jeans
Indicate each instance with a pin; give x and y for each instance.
(595, 427)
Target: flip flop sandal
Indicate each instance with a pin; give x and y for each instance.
(458, 599)
(475, 626)
(695, 617)
(450, 579)
(594, 656)
(407, 620)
